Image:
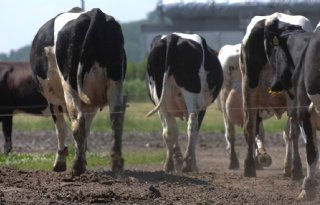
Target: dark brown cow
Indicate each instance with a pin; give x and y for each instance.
(18, 93)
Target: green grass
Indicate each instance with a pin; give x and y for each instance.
(135, 121)
(31, 162)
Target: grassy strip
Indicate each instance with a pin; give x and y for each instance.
(32, 162)
(135, 121)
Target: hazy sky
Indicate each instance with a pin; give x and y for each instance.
(21, 19)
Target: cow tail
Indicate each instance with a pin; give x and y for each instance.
(215, 76)
(85, 51)
(83, 97)
(171, 43)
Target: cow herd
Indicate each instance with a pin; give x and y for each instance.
(78, 65)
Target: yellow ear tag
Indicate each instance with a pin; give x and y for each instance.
(275, 41)
(273, 93)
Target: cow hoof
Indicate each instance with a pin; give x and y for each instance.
(189, 165)
(178, 165)
(286, 173)
(234, 162)
(117, 164)
(307, 195)
(249, 168)
(234, 165)
(264, 160)
(60, 167)
(7, 148)
(187, 168)
(77, 170)
(287, 170)
(258, 165)
(169, 165)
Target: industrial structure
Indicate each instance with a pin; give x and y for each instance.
(219, 23)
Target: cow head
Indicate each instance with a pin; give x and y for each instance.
(275, 42)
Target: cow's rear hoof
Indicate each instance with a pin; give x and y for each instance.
(286, 173)
(78, 170)
(249, 168)
(258, 165)
(188, 169)
(264, 160)
(7, 148)
(189, 166)
(117, 165)
(307, 195)
(178, 165)
(60, 167)
(287, 170)
(169, 165)
(234, 163)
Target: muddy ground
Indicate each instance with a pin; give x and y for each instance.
(214, 184)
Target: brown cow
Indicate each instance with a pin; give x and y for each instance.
(18, 93)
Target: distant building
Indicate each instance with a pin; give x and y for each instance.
(219, 23)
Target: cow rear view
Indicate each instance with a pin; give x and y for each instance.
(18, 93)
(184, 77)
(79, 62)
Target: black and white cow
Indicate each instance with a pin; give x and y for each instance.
(184, 76)
(79, 62)
(230, 103)
(294, 53)
(18, 93)
(261, 46)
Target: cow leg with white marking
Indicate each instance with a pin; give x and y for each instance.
(60, 164)
(230, 138)
(116, 109)
(170, 135)
(250, 114)
(189, 158)
(78, 128)
(194, 122)
(288, 155)
(309, 185)
(262, 157)
(227, 100)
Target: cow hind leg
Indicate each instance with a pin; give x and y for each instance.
(78, 127)
(117, 112)
(309, 188)
(249, 163)
(288, 155)
(60, 163)
(296, 169)
(190, 155)
(230, 137)
(262, 157)
(116, 118)
(7, 132)
(170, 135)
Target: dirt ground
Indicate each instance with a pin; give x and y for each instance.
(214, 184)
